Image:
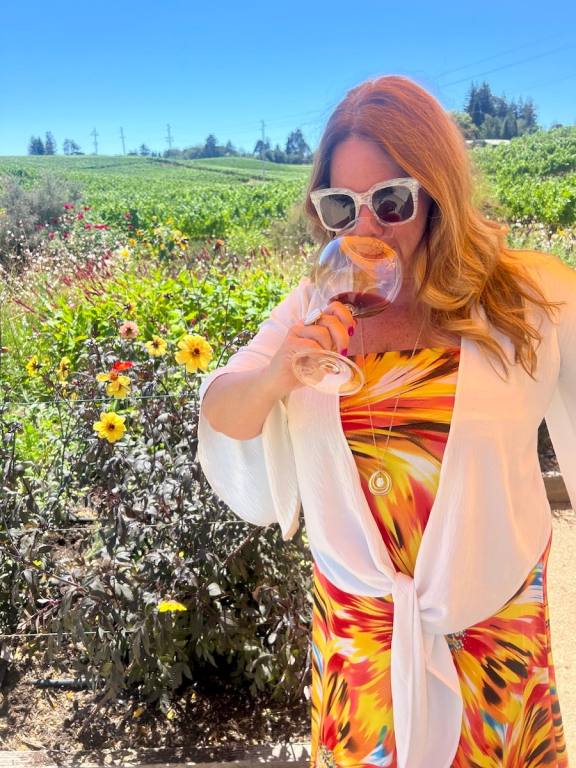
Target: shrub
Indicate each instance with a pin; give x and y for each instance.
(28, 216)
(149, 577)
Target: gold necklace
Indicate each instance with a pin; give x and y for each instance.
(380, 481)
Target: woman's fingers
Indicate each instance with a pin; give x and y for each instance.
(343, 313)
(328, 331)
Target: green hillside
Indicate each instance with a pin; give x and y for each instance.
(214, 197)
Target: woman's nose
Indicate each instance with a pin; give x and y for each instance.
(366, 223)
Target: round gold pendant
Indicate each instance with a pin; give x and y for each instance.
(380, 483)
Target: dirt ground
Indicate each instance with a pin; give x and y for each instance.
(212, 714)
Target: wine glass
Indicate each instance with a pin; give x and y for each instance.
(365, 274)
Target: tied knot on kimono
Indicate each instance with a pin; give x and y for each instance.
(403, 588)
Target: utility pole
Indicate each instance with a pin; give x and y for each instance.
(169, 137)
(263, 124)
(123, 141)
(95, 134)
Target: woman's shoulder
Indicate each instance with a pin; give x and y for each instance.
(551, 272)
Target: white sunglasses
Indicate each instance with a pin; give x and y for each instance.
(392, 202)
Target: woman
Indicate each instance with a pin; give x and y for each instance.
(430, 637)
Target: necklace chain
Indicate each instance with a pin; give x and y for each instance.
(380, 481)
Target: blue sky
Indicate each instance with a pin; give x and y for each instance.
(223, 67)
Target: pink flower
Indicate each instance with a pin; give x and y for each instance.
(79, 216)
(129, 330)
(127, 215)
(87, 226)
(51, 235)
(101, 226)
(68, 206)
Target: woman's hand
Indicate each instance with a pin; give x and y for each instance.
(332, 330)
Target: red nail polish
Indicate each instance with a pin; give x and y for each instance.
(344, 351)
(351, 331)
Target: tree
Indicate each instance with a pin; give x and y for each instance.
(464, 122)
(278, 155)
(49, 144)
(509, 126)
(261, 148)
(480, 103)
(210, 146)
(36, 146)
(490, 128)
(69, 147)
(144, 151)
(230, 149)
(297, 150)
(528, 117)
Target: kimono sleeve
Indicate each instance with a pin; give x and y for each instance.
(561, 413)
(256, 478)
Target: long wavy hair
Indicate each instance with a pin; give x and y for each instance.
(465, 262)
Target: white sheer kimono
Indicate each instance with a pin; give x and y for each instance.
(490, 506)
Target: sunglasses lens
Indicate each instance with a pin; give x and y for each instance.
(337, 211)
(393, 204)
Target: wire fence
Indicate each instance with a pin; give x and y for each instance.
(104, 398)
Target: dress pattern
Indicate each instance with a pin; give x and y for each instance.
(511, 713)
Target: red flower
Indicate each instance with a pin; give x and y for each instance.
(87, 226)
(79, 215)
(122, 365)
(68, 206)
(51, 235)
(101, 226)
(86, 207)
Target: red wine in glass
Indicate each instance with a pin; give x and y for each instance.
(365, 274)
(362, 304)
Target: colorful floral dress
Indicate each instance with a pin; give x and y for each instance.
(511, 713)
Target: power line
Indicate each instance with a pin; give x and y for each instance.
(532, 44)
(507, 66)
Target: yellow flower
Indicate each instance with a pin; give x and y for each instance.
(64, 369)
(118, 385)
(195, 353)
(33, 366)
(157, 346)
(132, 241)
(110, 427)
(171, 606)
(123, 253)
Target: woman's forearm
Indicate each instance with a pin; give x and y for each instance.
(237, 404)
